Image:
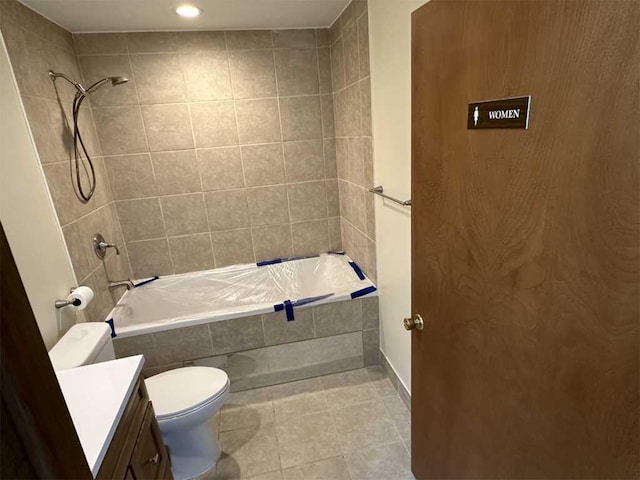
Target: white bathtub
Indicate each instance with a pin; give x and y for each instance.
(178, 301)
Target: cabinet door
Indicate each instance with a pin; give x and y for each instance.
(150, 458)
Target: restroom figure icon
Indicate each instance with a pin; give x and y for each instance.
(476, 116)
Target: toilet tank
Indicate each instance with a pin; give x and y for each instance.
(83, 344)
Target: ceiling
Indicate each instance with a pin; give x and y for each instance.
(153, 15)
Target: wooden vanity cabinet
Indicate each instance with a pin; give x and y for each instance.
(137, 451)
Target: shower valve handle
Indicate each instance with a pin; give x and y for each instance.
(104, 246)
(100, 246)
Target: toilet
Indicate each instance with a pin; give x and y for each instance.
(184, 399)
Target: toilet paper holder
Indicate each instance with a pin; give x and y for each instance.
(65, 303)
(78, 299)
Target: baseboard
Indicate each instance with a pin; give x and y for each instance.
(396, 381)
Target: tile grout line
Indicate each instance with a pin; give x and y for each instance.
(346, 86)
(153, 172)
(336, 93)
(324, 160)
(220, 147)
(275, 429)
(84, 216)
(289, 217)
(384, 404)
(356, 228)
(178, 50)
(95, 269)
(204, 197)
(196, 102)
(232, 229)
(206, 209)
(164, 226)
(170, 195)
(47, 40)
(244, 176)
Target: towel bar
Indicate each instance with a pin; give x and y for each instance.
(380, 191)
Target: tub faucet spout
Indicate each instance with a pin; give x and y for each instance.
(121, 283)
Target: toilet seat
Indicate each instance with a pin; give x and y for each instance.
(182, 391)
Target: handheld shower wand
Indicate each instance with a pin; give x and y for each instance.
(78, 143)
(119, 80)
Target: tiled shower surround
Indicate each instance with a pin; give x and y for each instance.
(36, 45)
(352, 100)
(220, 149)
(263, 350)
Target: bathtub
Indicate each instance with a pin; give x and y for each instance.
(198, 298)
(263, 324)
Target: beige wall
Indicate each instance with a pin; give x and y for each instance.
(390, 32)
(220, 148)
(28, 217)
(352, 106)
(36, 45)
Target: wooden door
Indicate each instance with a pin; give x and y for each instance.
(525, 242)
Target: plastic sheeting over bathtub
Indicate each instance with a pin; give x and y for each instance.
(241, 290)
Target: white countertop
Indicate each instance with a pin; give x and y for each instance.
(96, 396)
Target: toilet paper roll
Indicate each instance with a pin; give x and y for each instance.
(80, 298)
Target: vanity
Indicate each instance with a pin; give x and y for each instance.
(121, 435)
(115, 421)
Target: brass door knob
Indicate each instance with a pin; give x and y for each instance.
(414, 322)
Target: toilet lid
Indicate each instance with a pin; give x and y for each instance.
(175, 391)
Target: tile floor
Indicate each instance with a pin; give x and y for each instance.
(350, 425)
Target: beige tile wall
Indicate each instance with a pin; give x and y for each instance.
(249, 335)
(349, 37)
(35, 46)
(221, 148)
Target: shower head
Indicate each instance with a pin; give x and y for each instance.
(119, 80)
(81, 157)
(113, 80)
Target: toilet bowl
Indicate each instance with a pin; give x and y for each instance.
(184, 400)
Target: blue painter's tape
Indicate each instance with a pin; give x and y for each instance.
(282, 260)
(144, 282)
(363, 292)
(288, 308)
(304, 301)
(269, 262)
(113, 328)
(356, 268)
(290, 259)
(288, 305)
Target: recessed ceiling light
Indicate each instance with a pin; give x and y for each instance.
(188, 11)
